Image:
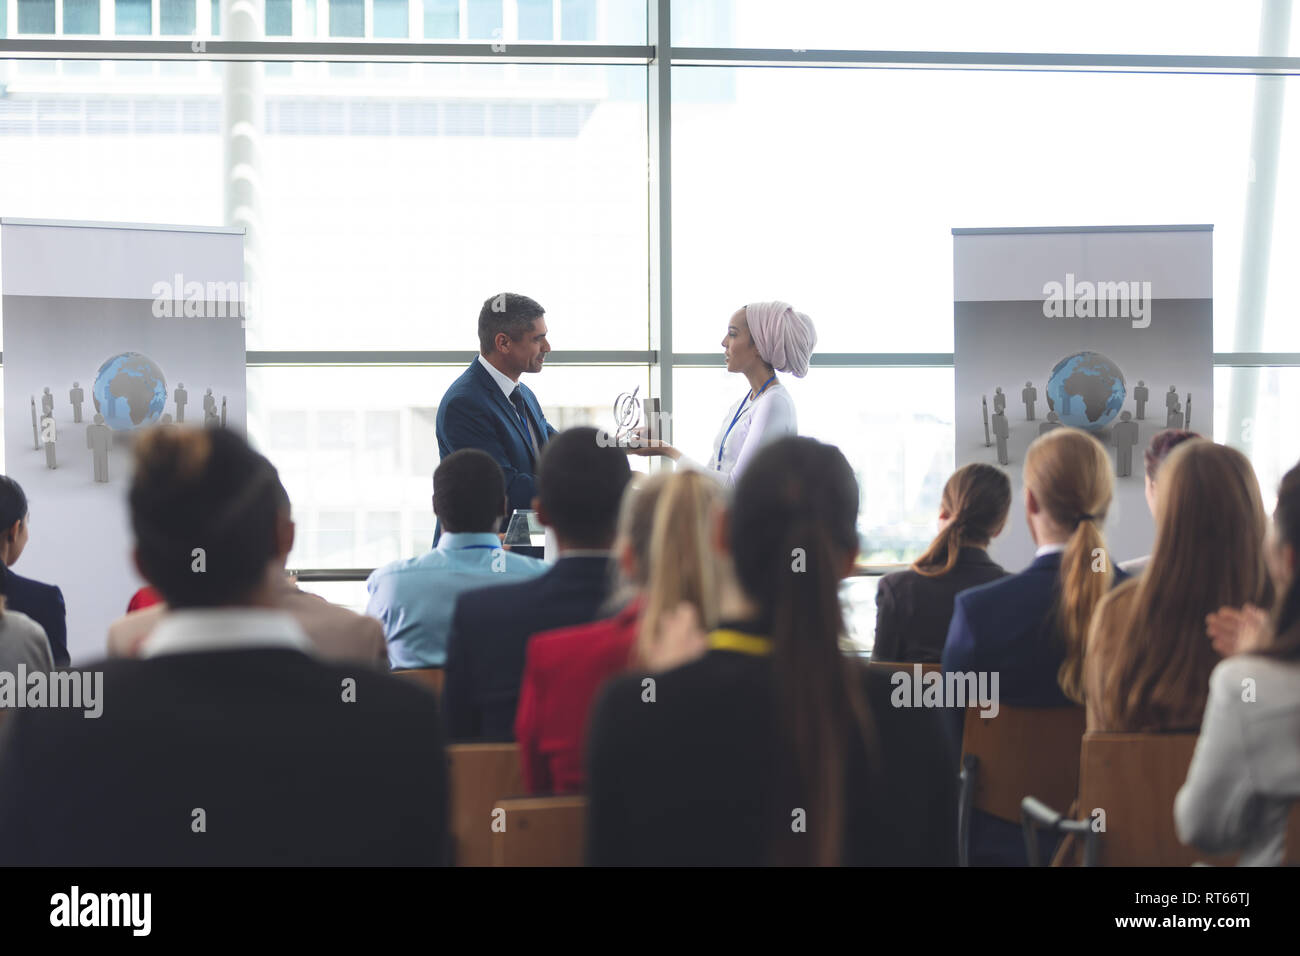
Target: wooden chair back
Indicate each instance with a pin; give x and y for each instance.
(1134, 778)
(1023, 751)
(480, 775)
(541, 831)
(430, 677)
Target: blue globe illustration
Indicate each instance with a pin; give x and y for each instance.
(1086, 390)
(130, 391)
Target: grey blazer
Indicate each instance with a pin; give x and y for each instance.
(1245, 773)
(23, 641)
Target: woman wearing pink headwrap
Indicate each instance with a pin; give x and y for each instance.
(762, 339)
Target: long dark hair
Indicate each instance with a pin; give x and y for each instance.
(1286, 526)
(977, 498)
(793, 526)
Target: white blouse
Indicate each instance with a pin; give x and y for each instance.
(759, 422)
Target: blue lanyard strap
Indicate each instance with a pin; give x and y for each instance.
(736, 417)
(490, 547)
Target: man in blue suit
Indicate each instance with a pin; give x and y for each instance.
(489, 408)
(580, 484)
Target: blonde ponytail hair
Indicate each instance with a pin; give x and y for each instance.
(682, 566)
(1069, 472)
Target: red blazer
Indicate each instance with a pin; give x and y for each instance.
(563, 671)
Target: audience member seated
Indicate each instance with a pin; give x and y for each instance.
(1149, 661)
(143, 598)
(914, 607)
(665, 560)
(43, 603)
(1245, 774)
(1162, 443)
(414, 598)
(579, 485)
(775, 746)
(228, 743)
(336, 633)
(22, 641)
(1029, 628)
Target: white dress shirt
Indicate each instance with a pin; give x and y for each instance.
(1049, 549)
(196, 630)
(769, 417)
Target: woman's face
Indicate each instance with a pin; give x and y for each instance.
(738, 346)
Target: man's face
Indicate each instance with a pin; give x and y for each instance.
(529, 352)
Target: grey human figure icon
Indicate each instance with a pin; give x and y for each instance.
(209, 403)
(36, 429)
(988, 441)
(180, 397)
(1175, 419)
(1171, 398)
(999, 401)
(223, 411)
(1053, 421)
(1141, 394)
(1029, 395)
(1002, 431)
(99, 439)
(1124, 435)
(47, 402)
(1187, 419)
(210, 418)
(76, 396)
(48, 437)
(165, 420)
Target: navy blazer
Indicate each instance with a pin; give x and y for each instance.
(475, 414)
(43, 603)
(1008, 626)
(490, 630)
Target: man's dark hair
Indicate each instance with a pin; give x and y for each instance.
(505, 312)
(469, 491)
(580, 484)
(203, 488)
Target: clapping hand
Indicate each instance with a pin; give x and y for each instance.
(1238, 630)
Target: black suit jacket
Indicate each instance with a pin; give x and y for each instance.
(490, 630)
(43, 603)
(691, 778)
(913, 611)
(285, 770)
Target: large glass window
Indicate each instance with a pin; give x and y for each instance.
(177, 17)
(442, 19)
(347, 18)
(81, 16)
(1186, 27)
(134, 17)
(279, 18)
(35, 16)
(391, 19)
(535, 20)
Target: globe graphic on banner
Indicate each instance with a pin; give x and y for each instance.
(130, 391)
(1086, 390)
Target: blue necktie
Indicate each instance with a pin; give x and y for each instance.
(517, 399)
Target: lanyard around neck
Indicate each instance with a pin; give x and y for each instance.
(739, 641)
(736, 417)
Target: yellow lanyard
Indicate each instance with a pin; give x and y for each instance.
(727, 640)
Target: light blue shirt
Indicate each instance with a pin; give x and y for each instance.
(415, 598)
